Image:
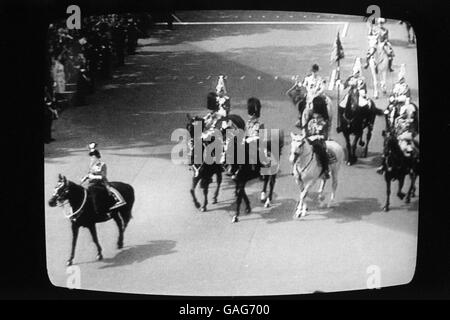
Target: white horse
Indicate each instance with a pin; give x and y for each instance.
(307, 169)
(379, 66)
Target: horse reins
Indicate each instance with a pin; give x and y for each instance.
(80, 208)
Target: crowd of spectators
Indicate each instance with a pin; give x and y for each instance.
(80, 57)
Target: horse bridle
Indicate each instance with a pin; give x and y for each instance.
(297, 154)
(64, 202)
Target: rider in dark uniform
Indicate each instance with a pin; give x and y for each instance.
(317, 133)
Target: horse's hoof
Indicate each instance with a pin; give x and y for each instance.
(119, 246)
(263, 196)
(408, 200)
(401, 195)
(349, 163)
(248, 210)
(69, 263)
(99, 257)
(214, 201)
(235, 219)
(386, 208)
(321, 197)
(267, 204)
(203, 209)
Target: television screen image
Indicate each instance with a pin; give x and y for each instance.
(231, 153)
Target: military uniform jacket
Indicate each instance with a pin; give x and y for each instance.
(317, 129)
(97, 172)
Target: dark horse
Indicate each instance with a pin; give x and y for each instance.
(399, 162)
(91, 206)
(251, 167)
(353, 119)
(207, 171)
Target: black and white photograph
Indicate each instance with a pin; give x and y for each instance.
(327, 106)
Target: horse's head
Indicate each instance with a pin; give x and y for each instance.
(406, 144)
(297, 143)
(61, 191)
(190, 123)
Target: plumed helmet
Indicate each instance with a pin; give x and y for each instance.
(357, 66)
(221, 85)
(315, 67)
(402, 72)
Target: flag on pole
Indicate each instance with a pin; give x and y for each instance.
(337, 52)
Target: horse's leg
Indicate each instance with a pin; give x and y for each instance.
(121, 226)
(246, 200)
(264, 189)
(383, 78)
(368, 137)
(219, 181)
(93, 231)
(205, 197)
(348, 146)
(321, 188)
(238, 202)
(195, 181)
(302, 208)
(334, 184)
(401, 181)
(412, 177)
(75, 229)
(354, 145)
(272, 179)
(387, 178)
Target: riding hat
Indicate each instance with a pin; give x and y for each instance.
(93, 150)
(315, 67)
(381, 20)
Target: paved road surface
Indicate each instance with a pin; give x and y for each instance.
(170, 247)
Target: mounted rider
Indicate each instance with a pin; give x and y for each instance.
(399, 98)
(210, 121)
(378, 37)
(223, 99)
(97, 176)
(317, 134)
(315, 86)
(253, 127)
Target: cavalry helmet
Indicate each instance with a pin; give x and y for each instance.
(221, 85)
(357, 66)
(402, 72)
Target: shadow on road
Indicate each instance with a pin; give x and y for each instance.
(140, 253)
(352, 209)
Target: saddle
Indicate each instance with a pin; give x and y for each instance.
(102, 198)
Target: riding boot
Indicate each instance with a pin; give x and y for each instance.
(390, 64)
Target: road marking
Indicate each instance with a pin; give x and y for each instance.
(344, 31)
